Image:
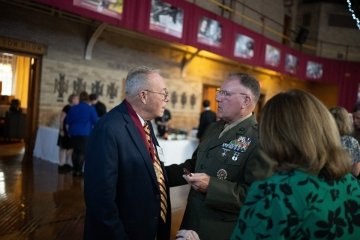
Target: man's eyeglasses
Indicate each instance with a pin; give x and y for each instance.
(225, 93)
(165, 94)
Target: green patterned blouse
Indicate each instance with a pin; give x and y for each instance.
(297, 205)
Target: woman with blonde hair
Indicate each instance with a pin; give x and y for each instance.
(345, 126)
(312, 194)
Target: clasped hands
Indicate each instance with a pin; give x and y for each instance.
(198, 181)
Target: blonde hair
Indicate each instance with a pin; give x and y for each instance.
(298, 132)
(342, 119)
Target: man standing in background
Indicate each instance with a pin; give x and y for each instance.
(162, 123)
(99, 106)
(206, 117)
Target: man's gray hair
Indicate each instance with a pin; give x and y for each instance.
(137, 79)
(249, 82)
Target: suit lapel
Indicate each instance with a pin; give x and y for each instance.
(139, 143)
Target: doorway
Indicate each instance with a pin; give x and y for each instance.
(209, 93)
(20, 79)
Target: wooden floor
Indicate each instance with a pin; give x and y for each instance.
(36, 202)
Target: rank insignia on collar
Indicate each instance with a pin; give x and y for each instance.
(221, 174)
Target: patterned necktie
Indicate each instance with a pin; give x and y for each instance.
(158, 171)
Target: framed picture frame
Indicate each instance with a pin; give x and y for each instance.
(111, 8)
(291, 63)
(209, 32)
(314, 70)
(272, 55)
(244, 46)
(166, 18)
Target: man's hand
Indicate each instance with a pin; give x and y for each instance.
(187, 235)
(198, 181)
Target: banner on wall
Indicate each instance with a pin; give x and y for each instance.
(111, 8)
(182, 22)
(166, 18)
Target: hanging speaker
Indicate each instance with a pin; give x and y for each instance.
(302, 35)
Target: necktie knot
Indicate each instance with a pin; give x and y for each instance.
(146, 126)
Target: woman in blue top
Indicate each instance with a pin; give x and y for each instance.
(80, 120)
(312, 195)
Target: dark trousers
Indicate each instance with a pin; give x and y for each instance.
(79, 148)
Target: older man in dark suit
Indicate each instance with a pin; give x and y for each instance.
(126, 191)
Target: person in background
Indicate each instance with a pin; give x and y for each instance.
(64, 143)
(225, 163)
(206, 117)
(162, 123)
(125, 185)
(356, 122)
(80, 121)
(15, 106)
(345, 126)
(99, 106)
(312, 194)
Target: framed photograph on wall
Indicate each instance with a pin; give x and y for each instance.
(291, 63)
(244, 46)
(166, 18)
(209, 32)
(272, 55)
(111, 8)
(314, 70)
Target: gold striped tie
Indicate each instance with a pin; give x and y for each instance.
(158, 171)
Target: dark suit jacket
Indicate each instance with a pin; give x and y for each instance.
(206, 117)
(121, 191)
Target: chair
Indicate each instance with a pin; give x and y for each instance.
(15, 126)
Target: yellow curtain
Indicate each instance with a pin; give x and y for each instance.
(21, 83)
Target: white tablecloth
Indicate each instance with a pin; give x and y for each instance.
(175, 152)
(46, 147)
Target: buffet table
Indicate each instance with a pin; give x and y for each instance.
(46, 147)
(175, 151)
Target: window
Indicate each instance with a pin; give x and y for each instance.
(6, 74)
